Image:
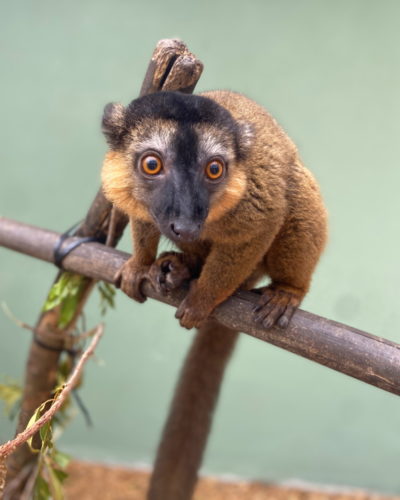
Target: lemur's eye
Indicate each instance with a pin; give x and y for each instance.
(215, 169)
(151, 164)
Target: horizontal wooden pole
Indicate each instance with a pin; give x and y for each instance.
(372, 359)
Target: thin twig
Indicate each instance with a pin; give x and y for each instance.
(72, 381)
(14, 319)
(24, 474)
(3, 474)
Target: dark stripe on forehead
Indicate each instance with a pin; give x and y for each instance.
(183, 108)
(185, 146)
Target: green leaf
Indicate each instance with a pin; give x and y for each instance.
(61, 459)
(65, 293)
(64, 370)
(58, 292)
(68, 308)
(10, 393)
(61, 475)
(46, 435)
(34, 418)
(64, 415)
(107, 295)
(55, 482)
(41, 489)
(14, 411)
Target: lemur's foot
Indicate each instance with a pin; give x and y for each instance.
(276, 306)
(130, 278)
(169, 272)
(195, 308)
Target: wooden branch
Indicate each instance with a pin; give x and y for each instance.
(172, 67)
(73, 379)
(371, 359)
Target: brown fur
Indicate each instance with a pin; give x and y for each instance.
(267, 219)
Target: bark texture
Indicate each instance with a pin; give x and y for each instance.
(366, 357)
(172, 67)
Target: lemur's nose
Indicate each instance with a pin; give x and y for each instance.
(185, 230)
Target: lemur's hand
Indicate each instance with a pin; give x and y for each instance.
(195, 308)
(169, 272)
(130, 278)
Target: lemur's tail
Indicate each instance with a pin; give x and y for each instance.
(189, 422)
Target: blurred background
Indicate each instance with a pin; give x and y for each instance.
(330, 73)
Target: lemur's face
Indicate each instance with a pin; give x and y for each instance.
(180, 154)
(179, 170)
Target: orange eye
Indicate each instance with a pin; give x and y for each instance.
(151, 164)
(214, 169)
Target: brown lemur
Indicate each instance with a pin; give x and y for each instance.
(218, 176)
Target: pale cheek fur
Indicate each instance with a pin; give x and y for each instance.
(118, 186)
(230, 197)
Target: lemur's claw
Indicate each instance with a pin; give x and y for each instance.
(192, 311)
(169, 272)
(276, 307)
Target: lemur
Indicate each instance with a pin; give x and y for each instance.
(219, 177)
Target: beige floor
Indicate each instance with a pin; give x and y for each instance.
(99, 482)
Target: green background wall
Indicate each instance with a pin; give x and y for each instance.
(330, 73)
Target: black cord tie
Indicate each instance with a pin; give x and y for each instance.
(71, 352)
(60, 253)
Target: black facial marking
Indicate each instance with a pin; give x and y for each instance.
(182, 108)
(185, 109)
(185, 145)
(179, 197)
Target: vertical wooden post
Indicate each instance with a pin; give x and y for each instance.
(172, 67)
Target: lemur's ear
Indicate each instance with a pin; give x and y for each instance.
(246, 135)
(113, 124)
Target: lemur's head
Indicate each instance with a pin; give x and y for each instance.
(174, 160)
